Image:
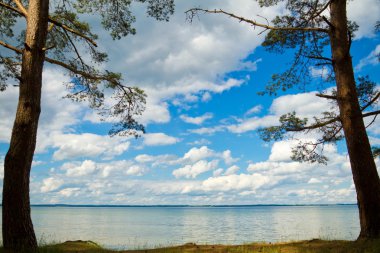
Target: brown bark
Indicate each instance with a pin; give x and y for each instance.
(365, 176)
(18, 230)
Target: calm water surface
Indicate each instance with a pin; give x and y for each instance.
(143, 227)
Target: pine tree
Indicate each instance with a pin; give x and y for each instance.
(55, 34)
(310, 28)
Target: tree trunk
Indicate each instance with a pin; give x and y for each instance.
(18, 230)
(363, 166)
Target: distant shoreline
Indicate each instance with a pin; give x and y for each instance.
(256, 205)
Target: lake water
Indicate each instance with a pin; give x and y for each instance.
(145, 227)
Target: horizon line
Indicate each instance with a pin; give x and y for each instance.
(186, 205)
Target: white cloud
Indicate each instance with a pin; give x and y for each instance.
(192, 171)
(254, 110)
(314, 181)
(51, 184)
(371, 59)
(206, 97)
(52, 117)
(196, 120)
(196, 154)
(158, 160)
(135, 170)
(249, 65)
(231, 170)
(69, 192)
(304, 104)
(217, 172)
(254, 123)
(365, 13)
(72, 146)
(321, 72)
(90, 168)
(159, 139)
(174, 65)
(76, 170)
(235, 182)
(227, 157)
(199, 142)
(282, 150)
(207, 130)
(156, 111)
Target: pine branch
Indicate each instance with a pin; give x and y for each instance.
(371, 102)
(321, 10)
(15, 49)
(21, 7)
(53, 21)
(371, 113)
(64, 65)
(319, 125)
(319, 57)
(192, 12)
(315, 126)
(326, 96)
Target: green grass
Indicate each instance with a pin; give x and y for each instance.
(311, 246)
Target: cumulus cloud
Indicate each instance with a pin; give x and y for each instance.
(304, 104)
(231, 170)
(196, 154)
(236, 182)
(371, 59)
(199, 142)
(254, 110)
(173, 67)
(77, 170)
(159, 139)
(158, 160)
(196, 120)
(69, 192)
(71, 146)
(227, 157)
(364, 16)
(314, 180)
(184, 67)
(51, 184)
(207, 130)
(103, 169)
(53, 117)
(192, 171)
(321, 72)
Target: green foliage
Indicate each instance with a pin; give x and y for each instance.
(117, 17)
(7, 21)
(288, 122)
(8, 70)
(299, 31)
(327, 125)
(307, 152)
(69, 39)
(366, 89)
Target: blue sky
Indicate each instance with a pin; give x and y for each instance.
(203, 111)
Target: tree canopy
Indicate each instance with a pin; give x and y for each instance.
(72, 45)
(305, 30)
(320, 35)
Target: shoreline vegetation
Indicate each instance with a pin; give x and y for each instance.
(308, 246)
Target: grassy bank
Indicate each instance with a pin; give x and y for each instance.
(312, 246)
